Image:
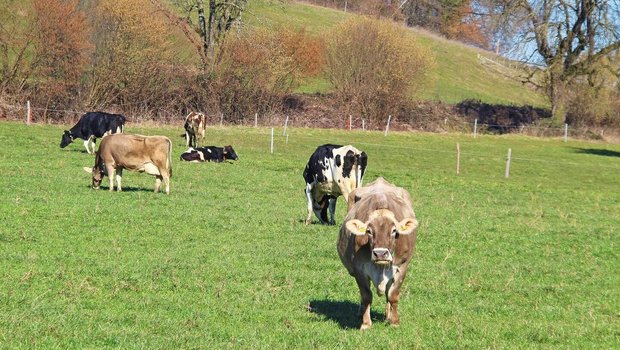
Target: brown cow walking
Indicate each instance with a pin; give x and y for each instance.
(376, 243)
(150, 154)
(195, 124)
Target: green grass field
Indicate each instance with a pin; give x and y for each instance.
(225, 260)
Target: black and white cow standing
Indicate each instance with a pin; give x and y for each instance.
(91, 126)
(332, 171)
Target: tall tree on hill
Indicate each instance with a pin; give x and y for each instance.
(569, 37)
(453, 18)
(222, 15)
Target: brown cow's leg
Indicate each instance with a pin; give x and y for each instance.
(391, 308)
(111, 173)
(366, 300)
(393, 296)
(157, 183)
(119, 179)
(166, 178)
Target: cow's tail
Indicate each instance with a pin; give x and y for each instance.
(169, 160)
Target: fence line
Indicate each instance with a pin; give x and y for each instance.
(484, 156)
(458, 154)
(473, 124)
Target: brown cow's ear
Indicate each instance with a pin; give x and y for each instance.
(88, 170)
(356, 227)
(407, 226)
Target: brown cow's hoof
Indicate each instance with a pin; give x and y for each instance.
(394, 323)
(365, 326)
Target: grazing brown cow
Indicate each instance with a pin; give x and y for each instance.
(195, 124)
(376, 243)
(150, 154)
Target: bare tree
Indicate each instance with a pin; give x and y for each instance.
(222, 15)
(569, 37)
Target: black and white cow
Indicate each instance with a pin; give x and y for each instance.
(91, 126)
(332, 171)
(209, 154)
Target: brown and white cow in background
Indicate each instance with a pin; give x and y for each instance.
(150, 154)
(195, 124)
(332, 171)
(376, 243)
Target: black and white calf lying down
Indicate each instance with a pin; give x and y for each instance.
(91, 126)
(209, 154)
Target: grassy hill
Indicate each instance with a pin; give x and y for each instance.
(460, 74)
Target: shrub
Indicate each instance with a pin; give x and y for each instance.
(256, 69)
(374, 66)
(590, 106)
(133, 63)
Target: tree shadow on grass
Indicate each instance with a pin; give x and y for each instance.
(344, 312)
(598, 152)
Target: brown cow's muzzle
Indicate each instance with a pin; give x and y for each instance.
(381, 256)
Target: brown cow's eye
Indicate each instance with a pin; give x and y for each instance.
(394, 232)
(369, 232)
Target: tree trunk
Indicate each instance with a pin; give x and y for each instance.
(203, 28)
(558, 99)
(210, 31)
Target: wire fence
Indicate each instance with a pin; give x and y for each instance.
(287, 123)
(32, 113)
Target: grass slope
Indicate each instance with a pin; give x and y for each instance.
(225, 261)
(459, 75)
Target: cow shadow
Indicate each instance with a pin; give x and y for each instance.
(126, 189)
(345, 313)
(76, 150)
(316, 222)
(598, 152)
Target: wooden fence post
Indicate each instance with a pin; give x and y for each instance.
(255, 120)
(387, 126)
(458, 158)
(285, 126)
(28, 113)
(475, 127)
(565, 132)
(507, 172)
(271, 148)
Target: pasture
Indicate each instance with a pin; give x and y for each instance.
(225, 261)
